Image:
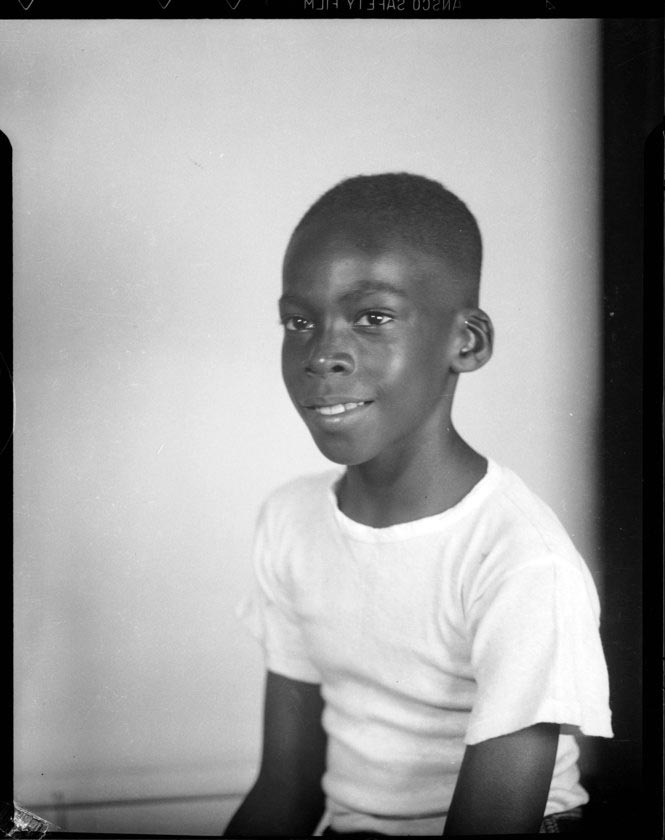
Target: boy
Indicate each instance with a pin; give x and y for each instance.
(431, 634)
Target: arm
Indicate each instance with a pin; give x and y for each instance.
(503, 783)
(286, 798)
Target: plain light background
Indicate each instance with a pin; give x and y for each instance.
(159, 168)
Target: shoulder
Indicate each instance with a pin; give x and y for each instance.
(302, 499)
(524, 518)
(520, 530)
(524, 555)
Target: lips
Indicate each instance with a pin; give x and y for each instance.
(338, 408)
(334, 406)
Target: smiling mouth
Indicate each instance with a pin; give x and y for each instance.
(338, 408)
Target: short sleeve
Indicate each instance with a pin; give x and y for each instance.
(536, 651)
(268, 615)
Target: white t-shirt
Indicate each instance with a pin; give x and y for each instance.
(427, 636)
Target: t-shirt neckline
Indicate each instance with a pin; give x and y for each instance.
(417, 527)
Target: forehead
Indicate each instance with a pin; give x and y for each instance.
(340, 261)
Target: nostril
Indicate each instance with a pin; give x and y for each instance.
(324, 364)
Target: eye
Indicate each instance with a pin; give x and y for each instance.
(294, 323)
(374, 319)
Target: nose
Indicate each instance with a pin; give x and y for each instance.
(327, 357)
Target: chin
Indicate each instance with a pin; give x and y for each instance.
(338, 453)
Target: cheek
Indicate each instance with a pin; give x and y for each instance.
(398, 367)
(290, 363)
(412, 383)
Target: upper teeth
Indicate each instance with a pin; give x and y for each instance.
(337, 409)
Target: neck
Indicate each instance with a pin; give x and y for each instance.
(412, 485)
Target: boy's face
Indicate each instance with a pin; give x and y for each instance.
(368, 341)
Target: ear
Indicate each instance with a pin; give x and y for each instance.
(475, 340)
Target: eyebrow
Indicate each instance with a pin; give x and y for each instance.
(368, 287)
(360, 290)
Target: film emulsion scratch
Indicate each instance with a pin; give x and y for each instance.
(16, 820)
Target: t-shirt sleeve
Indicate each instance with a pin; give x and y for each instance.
(268, 615)
(536, 652)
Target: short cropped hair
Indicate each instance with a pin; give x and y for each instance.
(410, 208)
